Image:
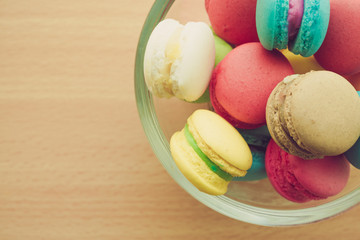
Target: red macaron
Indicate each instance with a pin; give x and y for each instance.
(233, 20)
(242, 83)
(300, 180)
(340, 51)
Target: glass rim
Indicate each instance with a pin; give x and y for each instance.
(221, 204)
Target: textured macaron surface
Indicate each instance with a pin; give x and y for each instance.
(299, 24)
(194, 168)
(233, 20)
(314, 26)
(272, 23)
(179, 59)
(210, 152)
(221, 138)
(315, 113)
(301, 180)
(340, 51)
(242, 82)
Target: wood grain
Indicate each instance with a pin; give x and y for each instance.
(74, 160)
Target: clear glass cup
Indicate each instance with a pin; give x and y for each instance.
(254, 202)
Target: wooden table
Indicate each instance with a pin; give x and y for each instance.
(74, 160)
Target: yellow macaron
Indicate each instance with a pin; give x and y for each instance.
(209, 151)
(301, 64)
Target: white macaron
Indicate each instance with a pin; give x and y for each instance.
(179, 59)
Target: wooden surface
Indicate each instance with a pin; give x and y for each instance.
(74, 160)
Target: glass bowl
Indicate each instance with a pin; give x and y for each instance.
(254, 202)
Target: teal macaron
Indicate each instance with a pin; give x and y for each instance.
(257, 170)
(300, 25)
(258, 139)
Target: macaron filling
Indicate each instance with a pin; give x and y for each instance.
(213, 167)
(295, 14)
(289, 16)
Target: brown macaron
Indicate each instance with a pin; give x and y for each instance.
(314, 115)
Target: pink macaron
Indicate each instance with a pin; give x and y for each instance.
(233, 20)
(242, 83)
(340, 51)
(300, 180)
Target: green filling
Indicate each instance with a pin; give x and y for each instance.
(190, 139)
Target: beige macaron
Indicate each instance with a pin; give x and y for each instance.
(313, 115)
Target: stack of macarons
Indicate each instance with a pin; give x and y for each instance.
(282, 79)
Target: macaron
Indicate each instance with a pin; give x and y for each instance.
(300, 25)
(314, 115)
(340, 51)
(233, 20)
(257, 170)
(301, 180)
(301, 64)
(210, 152)
(258, 140)
(258, 137)
(179, 59)
(242, 82)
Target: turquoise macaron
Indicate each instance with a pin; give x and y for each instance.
(257, 170)
(353, 154)
(274, 18)
(258, 139)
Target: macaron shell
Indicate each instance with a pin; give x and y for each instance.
(322, 177)
(271, 23)
(194, 168)
(233, 20)
(156, 69)
(191, 72)
(285, 184)
(330, 122)
(340, 51)
(313, 28)
(243, 81)
(278, 127)
(221, 138)
(301, 180)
